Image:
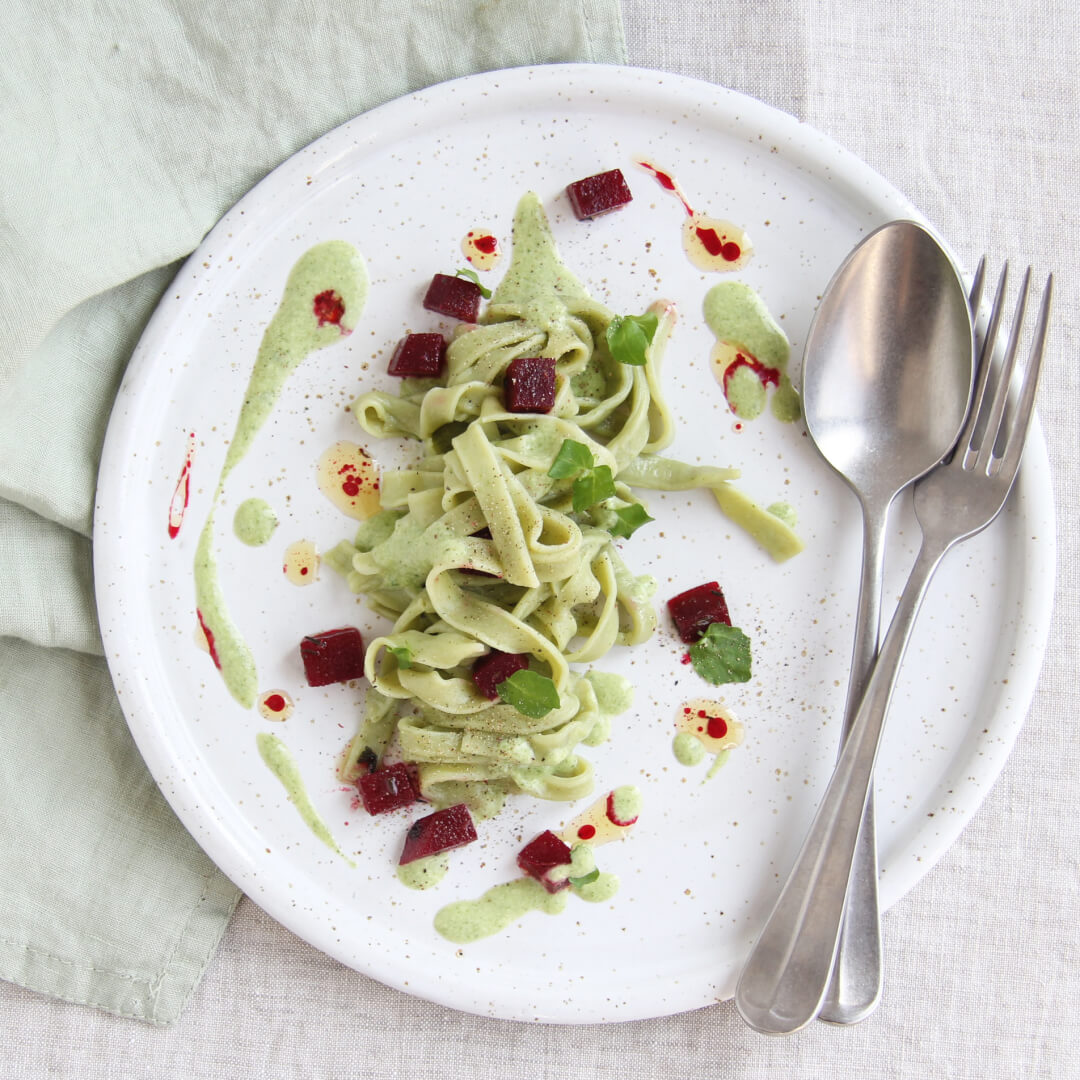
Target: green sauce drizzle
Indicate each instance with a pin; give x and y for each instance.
(294, 333)
(604, 887)
(627, 802)
(785, 512)
(470, 920)
(687, 749)
(424, 873)
(737, 315)
(254, 522)
(283, 765)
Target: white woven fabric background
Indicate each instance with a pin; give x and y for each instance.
(973, 109)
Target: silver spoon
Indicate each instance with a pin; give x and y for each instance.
(887, 375)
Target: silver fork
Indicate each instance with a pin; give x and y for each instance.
(784, 981)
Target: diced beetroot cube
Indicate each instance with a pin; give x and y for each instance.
(696, 609)
(441, 831)
(333, 656)
(529, 385)
(599, 194)
(421, 355)
(387, 789)
(454, 296)
(492, 669)
(542, 855)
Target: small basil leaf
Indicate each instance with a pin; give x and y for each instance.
(585, 879)
(571, 459)
(722, 655)
(593, 486)
(629, 337)
(532, 694)
(474, 277)
(629, 520)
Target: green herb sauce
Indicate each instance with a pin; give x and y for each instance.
(424, 873)
(687, 749)
(254, 522)
(294, 332)
(738, 316)
(470, 920)
(283, 765)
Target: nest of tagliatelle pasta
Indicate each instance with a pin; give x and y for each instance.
(499, 541)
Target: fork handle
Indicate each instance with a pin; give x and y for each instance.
(785, 979)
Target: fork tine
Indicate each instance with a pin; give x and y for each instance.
(984, 361)
(975, 295)
(1014, 447)
(1005, 374)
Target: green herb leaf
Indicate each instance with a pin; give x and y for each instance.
(401, 654)
(722, 655)
(584, 880)
(630, 519)
(571, 458)
(474, 277)
(532, 694)
(629, 337)
(593, 486)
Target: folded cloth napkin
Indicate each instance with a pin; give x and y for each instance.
(128, 129)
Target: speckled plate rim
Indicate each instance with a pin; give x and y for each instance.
(135, 681)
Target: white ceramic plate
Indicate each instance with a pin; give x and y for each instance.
(405, 183)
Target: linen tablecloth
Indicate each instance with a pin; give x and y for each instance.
(971, 109)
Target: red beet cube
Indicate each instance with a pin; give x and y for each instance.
(387, 789)
(529, 385)
(542, 855)
(492, 669)
(695, 610)
(421, 355)
(333, 656)
(599, 194)
(441, 831)
(454, 296)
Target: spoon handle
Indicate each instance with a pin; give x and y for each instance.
(784, 981)
(855, 986)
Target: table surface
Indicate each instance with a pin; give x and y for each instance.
(971, 109)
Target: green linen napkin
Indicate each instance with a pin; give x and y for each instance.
(128, 128)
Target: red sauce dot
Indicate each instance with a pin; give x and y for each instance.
(303, 570)
(586, 832)
(351, 487)
(686, 660)
(702, 713)
(275, 703)
(730, 251)
(717, 727)
(328, 307)
(486, 244)
(687, 710)
(711, 241)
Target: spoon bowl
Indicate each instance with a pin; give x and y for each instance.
(888, 362)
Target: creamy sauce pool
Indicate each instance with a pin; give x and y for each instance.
(323, 299)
